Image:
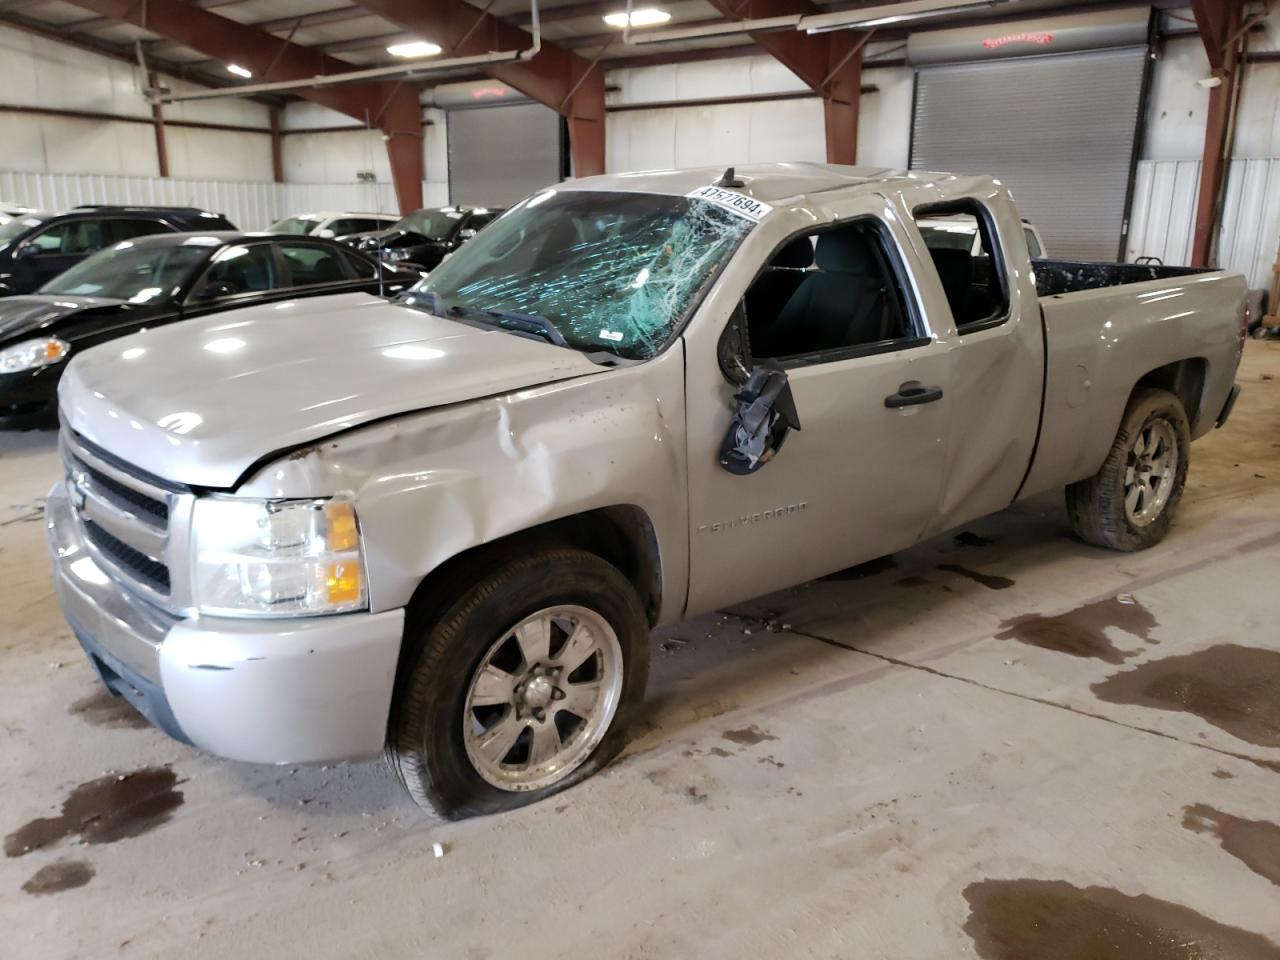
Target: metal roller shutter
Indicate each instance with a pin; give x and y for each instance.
(497, 155)
(1058, 130)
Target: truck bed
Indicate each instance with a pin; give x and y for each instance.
(1112, 324)
(1055, 277)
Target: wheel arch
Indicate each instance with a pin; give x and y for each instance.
(622, 535)
(1185, 379)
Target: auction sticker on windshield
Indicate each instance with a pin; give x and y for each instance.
(738, 203)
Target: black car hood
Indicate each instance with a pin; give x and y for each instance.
(45, 312)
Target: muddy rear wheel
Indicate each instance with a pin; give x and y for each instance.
(1129, 503)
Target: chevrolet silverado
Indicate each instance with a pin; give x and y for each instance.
(444, 526)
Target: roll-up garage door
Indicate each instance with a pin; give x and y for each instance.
(498, 155)
(1059, 129)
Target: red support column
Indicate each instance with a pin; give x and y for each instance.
(401, 124)
(586, 126)
(842, 94)
(1219, 23)
(157, 119)
(277, 147)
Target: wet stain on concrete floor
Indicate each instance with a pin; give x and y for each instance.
(990, 581)
(967, 538)
(1255, 843)
(102, 709)
(748, 736)
(1235, 688)
(59, 876)
(112, 808)
(1054, 920)
(1082, 632)
(912, 581)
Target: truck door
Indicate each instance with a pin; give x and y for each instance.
(835, 309)
(997, 355)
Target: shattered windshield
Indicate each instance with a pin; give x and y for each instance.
(617, 272)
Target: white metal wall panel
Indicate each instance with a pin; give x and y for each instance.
(1164, 206)
(1058, 130)
(1251, 220)
(250, 206)
(1163, 210)
(377, 197)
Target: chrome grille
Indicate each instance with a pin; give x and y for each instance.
(152, 572)
(129, 519)
(148, 508)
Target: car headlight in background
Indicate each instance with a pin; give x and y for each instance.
(32, 354)
(277, 558)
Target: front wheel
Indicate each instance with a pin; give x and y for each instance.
(522, 686)
(1129, 503)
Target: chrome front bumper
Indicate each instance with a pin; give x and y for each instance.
(302, 690)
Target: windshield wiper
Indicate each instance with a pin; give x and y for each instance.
(529, 323)
(518, 323)
(427, 300)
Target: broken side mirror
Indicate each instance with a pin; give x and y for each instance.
(732, 350)
(766, 414)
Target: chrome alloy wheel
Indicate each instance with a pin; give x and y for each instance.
(1149, 472)
(542, 698)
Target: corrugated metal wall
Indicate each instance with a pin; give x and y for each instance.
(250, 206)
(1163, 215)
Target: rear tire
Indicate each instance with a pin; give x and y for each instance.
(473, 680)
(1129, 503)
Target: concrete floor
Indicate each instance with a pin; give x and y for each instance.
(925, 759)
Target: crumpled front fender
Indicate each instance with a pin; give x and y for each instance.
(429, 486)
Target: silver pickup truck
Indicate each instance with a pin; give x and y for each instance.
(444, 525)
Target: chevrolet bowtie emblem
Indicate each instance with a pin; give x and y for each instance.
(79, 484)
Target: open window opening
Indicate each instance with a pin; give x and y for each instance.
(963, 244)
(830, 294)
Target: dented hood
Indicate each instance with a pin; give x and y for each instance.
(201, 401)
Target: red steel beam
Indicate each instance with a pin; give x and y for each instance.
(391, 107)
(556, 77)
(162, 144)
(829, 63)
(1219, 23)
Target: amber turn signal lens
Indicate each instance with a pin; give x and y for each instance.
(340, 517)
(344, 582)
(54, 350)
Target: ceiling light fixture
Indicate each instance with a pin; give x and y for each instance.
(644, 17)
(414, 48)
(239, 71)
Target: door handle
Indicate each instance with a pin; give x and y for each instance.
(911, 393)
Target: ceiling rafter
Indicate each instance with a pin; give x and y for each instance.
(555, 76)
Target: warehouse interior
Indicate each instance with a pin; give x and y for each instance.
(1012, 733)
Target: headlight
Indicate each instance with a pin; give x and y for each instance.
(32, 354)
(395, 256)
(277, 558)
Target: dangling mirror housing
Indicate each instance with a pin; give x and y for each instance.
(766, 414)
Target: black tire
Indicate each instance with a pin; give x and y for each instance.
(1096, 506)
(425, 744)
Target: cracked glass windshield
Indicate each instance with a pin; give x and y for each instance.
(595, 271)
